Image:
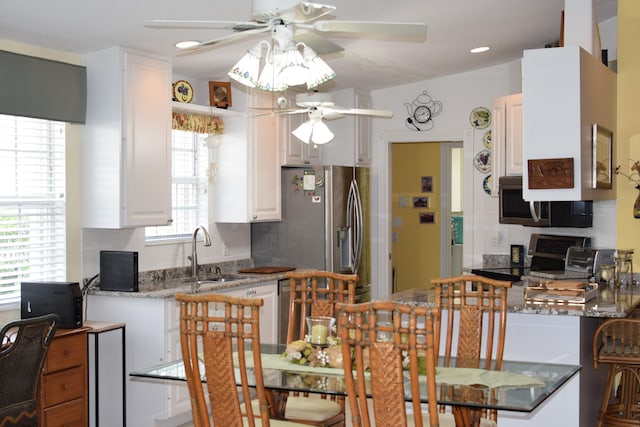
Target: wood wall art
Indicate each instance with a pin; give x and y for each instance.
(547, 174)
(220, 94)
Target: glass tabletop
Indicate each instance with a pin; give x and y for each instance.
(545, 378)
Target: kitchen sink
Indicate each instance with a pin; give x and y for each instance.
(196, 284)
(219, 278)
(223, 278)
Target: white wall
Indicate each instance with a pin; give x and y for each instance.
(459, 95)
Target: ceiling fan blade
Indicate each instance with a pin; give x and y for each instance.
(222, 40)
(404, 29)
(319, 44)
(237, 26)
(277, 110)
(305, 12)
(362, 111)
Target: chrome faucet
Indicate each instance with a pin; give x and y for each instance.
(194, 254)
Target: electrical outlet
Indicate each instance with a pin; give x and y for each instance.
(225, 249)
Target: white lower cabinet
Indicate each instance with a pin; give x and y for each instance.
(268, 291)
(152, 338)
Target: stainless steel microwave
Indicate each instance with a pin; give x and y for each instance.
(515, 210)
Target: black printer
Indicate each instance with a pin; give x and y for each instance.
(61, 298)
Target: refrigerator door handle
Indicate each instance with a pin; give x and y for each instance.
(354, 223)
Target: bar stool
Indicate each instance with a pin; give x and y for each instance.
(617, 342)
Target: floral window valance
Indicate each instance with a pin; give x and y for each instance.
(198, 123)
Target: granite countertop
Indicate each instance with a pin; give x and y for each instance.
(608, 304)
(166, 283)
(169, 288)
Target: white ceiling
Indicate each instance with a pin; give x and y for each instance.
(454, 27)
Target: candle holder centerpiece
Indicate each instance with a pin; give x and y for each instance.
(320, 346)
(319, 329)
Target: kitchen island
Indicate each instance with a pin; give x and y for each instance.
(555, 333)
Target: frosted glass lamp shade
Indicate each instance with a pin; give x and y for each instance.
(303, 132)
(313, 131)
(319, 71)
(270, 78)
(246, 70)
(321, 134)
(294, 70)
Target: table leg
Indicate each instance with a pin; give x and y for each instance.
(277, 400)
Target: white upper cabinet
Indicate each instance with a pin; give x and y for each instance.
(296, 152)
(363, 132)
(565, 92)
(506, 138)
(126, 143)
(247, 165)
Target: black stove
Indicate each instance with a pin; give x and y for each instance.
(548, 255)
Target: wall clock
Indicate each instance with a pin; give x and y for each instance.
(421, 112)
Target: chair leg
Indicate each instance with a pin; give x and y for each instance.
(622, 407)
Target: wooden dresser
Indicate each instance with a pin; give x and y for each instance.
(64, 387)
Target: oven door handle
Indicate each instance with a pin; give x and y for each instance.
(532, 208)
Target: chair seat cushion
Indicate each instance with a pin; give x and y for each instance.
(310, 408)
(274, 423)
(306, 408)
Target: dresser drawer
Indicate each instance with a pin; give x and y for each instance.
(63, 386)
(70, 414)
(66, 352)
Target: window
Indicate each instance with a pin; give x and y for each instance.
(32, 203)
(189, 188)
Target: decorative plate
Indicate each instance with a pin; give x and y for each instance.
(482, 161)
(486, 139)
(480, 118)
(182, 91)
(486, 184)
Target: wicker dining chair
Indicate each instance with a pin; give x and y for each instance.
(474, 328)
(23, 350)
(212, 328)
(616, 342)
(377, 338)
(315, 293)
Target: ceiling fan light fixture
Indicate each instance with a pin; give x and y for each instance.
(294, 70)
(319, 72)
(321, 133)
(246, 69)
(313, 130)
(269, 77)
(303, 132)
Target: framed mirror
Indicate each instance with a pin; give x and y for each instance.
(602, 140)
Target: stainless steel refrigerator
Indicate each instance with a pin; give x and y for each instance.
(325, 225)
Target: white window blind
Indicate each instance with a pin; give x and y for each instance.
(32, 203)
(189, 188)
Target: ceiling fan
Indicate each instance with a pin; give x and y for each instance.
(274, 15)
(318, 106)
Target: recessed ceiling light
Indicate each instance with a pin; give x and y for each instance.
(480, 49)
(187, 44)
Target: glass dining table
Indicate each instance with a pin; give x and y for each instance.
(518, 387)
